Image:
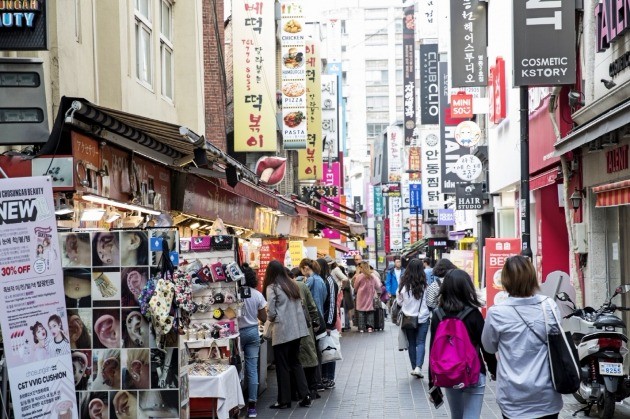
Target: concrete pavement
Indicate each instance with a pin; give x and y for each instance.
(373, 381)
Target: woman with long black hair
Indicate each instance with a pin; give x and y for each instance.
(412, 300)
(284, 309)
(330, 317)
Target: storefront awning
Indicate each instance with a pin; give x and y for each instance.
(348, 227)
(613, 194)
(340, 247)
(611, 120)
(544, 179)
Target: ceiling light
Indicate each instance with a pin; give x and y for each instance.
(64, 209)
(194, 226)
(105, 201)
(92, 214)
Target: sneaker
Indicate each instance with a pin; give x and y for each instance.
(321, 387)
(306, 402)
(251, 412)
(328, 384)
(416, 372)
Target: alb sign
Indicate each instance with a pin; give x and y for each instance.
(538, 62)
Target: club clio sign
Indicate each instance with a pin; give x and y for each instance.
(23, 25)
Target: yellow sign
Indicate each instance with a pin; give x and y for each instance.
(253, 42)
(296, 251)
(310, 159)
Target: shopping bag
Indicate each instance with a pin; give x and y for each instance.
(330, 347)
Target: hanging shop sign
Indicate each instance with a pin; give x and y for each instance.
(23, 25)
(379, 210)
(293, 56)
(271, 249)
(394, 153)
(461, 106)
(446, 217)
(386, 226)
(469, 40)
(431, 169)
(414, 162)
(496, 83)
(612, 22)
(468, 168)
(415, 198)
(391, 189)
(309, 194)
(429, 86)
(617, 159)
(427, 19)
(379, 225)
(34, 321)
(330, 116)
(395, 225)
(310, 158)
(331, 178)
(409, 75)
(450, 151)
(254, 41)
(207, 200)
(538, 62)
(415, 229)
(296, 251)
(496, 251)
(464, 260)
(467, 133)
(468, 196)
(271, 170)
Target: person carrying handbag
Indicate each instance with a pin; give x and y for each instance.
(415, 313)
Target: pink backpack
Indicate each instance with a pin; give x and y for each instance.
(453, 359)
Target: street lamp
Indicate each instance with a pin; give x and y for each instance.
(417, 210)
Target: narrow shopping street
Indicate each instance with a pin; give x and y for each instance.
(373, 381)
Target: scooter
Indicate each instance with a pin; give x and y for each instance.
(602, 346)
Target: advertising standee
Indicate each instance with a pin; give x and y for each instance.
(33, 309)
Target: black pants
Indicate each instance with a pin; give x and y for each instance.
(287, 364)
(543, 417)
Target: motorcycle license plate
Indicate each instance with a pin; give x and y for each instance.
(610, 368)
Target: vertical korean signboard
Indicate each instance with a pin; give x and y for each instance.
(310, 158)
(427, 19)
(409, 75)
(331, 178)
(254, 41)
(469, 59)
(537, 61)
(431, 169)
(429, 86)
(293, 57)
(379, 210)
(496, 251)
(395, 224)
(394, 154)
(330, 116)
(33, 308)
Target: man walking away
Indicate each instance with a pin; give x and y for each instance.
(428, 270)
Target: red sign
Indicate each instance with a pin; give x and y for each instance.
(617, 159)
(461, 106)
(496, 251)
(499, 109)
(272, 249)
(414, 163)
(415, 232)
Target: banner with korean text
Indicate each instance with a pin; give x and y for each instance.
(331, 178)
(293, 56)
(432, 197)
(409, 75)
(310, 158)
(33, 308)
(254, 41)
(330, 116)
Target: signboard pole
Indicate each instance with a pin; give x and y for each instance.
(524, 204)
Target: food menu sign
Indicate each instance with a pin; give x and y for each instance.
(496, 252)
(409, 75)
(254, 41)
(332, 178)
(310, 158)
(293, 56)
(431, 169)
(469, 43)
(271, 249)
(33, 309)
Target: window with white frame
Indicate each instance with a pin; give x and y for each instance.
(144, 29)
(166, 48)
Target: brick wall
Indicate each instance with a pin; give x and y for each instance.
(214, 66)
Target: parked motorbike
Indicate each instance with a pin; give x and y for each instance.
(602, 346)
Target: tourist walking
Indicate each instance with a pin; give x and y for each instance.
(367, 288)
(440, 270)
(458, 300)
(285, 311)
(524, 386)
(412, 300)
(330, 317)
(392, 277)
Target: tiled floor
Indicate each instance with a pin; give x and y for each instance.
(373, 381)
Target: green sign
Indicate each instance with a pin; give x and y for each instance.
(379, 209)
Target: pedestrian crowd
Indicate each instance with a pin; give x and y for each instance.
(307, 308)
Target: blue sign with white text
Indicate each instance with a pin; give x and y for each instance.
(415, 198)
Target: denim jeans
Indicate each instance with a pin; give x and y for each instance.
(417, 338)
(250, 341)
(328, 371)
(466, 403)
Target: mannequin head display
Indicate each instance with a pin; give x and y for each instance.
(94, 405)
(133, 281)
(135, 331)
(137, 369)
(79, 334)
(77, 286)
(135, 248)
(76, 249)
(81, 369)
(106, 328)
(107, 375)
(105, 249)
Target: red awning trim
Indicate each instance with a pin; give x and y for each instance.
(340, 247)
(613, 194)
(260, 195)
(544, 179)
(330, 221)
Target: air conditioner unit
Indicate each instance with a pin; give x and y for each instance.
(581, 237)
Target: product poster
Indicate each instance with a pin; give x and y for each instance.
(34, 322)
(119, 372)
(496, 251)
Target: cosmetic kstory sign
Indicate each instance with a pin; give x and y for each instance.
(33, 307)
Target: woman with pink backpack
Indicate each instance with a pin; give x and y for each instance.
(456, 357)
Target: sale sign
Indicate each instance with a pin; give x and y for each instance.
(496, 252)
(33, 306)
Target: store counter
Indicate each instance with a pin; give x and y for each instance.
(225, 387)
